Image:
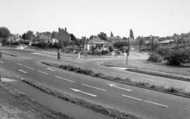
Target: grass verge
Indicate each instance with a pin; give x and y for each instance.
(5, 53)
(114, 113)
(165, 75)
(170, 90)
(17, 105)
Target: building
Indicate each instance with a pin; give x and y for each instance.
(44, 37)
(95, 43)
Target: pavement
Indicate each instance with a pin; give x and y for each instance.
(143, 103)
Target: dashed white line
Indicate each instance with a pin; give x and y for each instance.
(97, 88)
(131, 97)
(50, 69)
(43, 72)
(68, 80)
(19, 64)
(28, 67)
(83, 92)
(155, 103)
(115, 86)
(20, 70)
(145, 101)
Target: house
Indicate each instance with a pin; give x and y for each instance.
(14, 38)
(43, 37)
(95, 43)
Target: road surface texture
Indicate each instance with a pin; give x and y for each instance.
(143, 103)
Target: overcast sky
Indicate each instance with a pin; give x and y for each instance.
(86, 17)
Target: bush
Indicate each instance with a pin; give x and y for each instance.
(177, 56)
(155, 57)
(174, 57)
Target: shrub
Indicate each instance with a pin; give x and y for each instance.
(172, 90)
(174, 57)
(155, 57)
(177, 56)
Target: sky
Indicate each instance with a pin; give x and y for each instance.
(88, 17)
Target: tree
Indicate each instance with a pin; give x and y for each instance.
(102, 36)
(111, 34)
(131, 35)
(4, 32)
(29, 35)
(121, 45)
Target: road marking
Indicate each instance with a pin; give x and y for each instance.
(145, 101)
(155, 103)
(1, 62)
(19, 64)
(43, 72)
(7, 80)
(20, 70)
(50, 69)
(36, 53)
(131, 97)
(90, 86)
(28, 67)
(115, 86)
(68, 80)
(86, 93)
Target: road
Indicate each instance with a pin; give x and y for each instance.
(141, 102)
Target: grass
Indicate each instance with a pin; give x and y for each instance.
(148, 66)
(17, 105)
(172, 76)
(171, 90)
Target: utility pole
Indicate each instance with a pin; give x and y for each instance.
(126, 52)
(58, 50)
(58, 54)
(152, 43)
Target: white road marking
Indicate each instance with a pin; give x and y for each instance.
(43, 72)
(1, 62)
(36, 53)
(20, 70)
(68, 80)
(155, 103)
(42, 54)
(7, 80)
(28, 67)
(19, 64)
(115, 86)
(50, 69)
(131, 97)
(86, 93)
(145, 101)
(90, 86)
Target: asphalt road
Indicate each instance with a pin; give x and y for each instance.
(141, 102)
